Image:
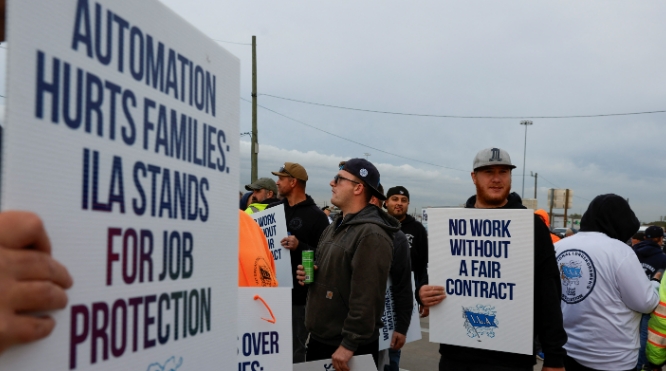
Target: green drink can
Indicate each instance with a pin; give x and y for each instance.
(308, 265)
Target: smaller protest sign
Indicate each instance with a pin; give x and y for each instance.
(264, 329)
(484, 258)
(274, 224)
(358, 363)
(386, 332)
(424, 218)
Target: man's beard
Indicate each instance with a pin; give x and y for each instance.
(487, 199)
(399, 215)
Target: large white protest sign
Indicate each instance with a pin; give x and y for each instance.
(386, 332)
(357, 363)
(485, 261)
(274, 224)
(264, 329)
(122, 134)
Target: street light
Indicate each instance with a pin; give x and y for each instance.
(526, 123)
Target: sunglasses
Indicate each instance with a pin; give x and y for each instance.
(284, 171)
(338, 178)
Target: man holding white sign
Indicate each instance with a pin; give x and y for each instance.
(492, 178)
(401, 292)
(305, 224)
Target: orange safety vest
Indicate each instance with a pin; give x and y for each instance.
(256, 266)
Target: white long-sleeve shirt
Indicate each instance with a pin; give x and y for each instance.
(604, 292)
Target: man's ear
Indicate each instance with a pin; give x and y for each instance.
(359, 189)
(473, 174)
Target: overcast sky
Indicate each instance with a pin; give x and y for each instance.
(471, 58)
(474, 58)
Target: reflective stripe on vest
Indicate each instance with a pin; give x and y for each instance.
(660, 310)
(656, 338)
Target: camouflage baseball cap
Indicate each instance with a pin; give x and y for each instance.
(263, 183)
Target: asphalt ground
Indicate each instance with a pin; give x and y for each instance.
(422, 355)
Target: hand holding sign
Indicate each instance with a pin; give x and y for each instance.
(30, 280)
(398, 340)
(289, 242)
(431, 295)
(356, 363)
(341, 357)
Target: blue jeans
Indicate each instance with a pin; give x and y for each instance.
(394, 357)
(642, 358)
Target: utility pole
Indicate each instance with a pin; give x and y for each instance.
(526, 123)
(255, 136)
(552, 198)
(535, 175)
(566, 206)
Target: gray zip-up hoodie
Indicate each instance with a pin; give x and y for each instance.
(346, 300)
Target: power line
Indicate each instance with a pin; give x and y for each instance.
(463, 117)
(380, 150)
(230, 42)
(351, 140)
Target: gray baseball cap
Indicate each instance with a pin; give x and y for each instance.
(491, 157)
(263, 183)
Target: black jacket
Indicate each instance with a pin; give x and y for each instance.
(651, 256)
(547, 313)
(306, 222)
(418, 246)
(402, 282)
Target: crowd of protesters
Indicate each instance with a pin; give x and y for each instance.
(617, 323)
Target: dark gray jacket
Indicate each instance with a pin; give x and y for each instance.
(346, 300)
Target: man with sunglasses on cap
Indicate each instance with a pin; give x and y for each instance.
(346, 300)
(305, 224)
(492, 178)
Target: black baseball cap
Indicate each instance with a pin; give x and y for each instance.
(654, 231)
(397, 190)
(366, 171)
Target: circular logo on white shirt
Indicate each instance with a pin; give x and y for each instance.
(577, 274)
